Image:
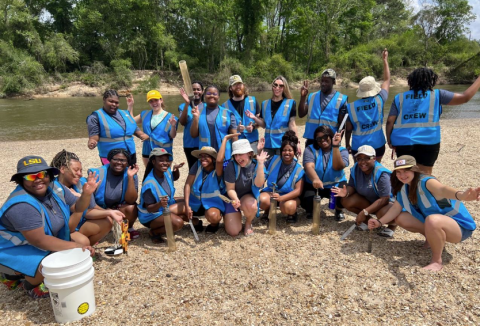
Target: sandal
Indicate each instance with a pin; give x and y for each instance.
(248, 232)
(386, 233)
(362, 227)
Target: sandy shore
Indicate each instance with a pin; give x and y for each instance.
(290, 278)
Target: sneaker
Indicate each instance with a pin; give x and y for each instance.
(211, 228)
(292, 219)
(114, 251)
(11, 284)
(134, 234)
(339, 216)
(38, 292)
(199, 226)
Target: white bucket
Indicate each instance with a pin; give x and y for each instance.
(69, 278)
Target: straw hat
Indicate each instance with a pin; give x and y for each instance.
(205, 150)
(241, 146)
(368, 87)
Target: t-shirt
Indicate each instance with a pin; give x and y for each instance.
(211, 117)
(383, 94)
(284, 171)
(243, 185)
(365, 187)
(239, 106)
(114, 189)
(274, 106)
(325, 99)
(24, 217)
(148, 197)
(308, 157)
(92, 199)
(445, 98)
(94, 125)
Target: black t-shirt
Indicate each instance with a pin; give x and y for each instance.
(276, 105)
(239, 106)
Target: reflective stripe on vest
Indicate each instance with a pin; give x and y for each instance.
(323, 121)
(431, 115)
(357, 131)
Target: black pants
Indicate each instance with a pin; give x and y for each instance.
(191, 160)
(309, 192)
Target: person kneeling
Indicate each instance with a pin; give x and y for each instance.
(368, 190)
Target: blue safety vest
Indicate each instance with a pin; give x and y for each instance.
(79, 188)
(329, 176)
(99, 194)
(418, 120)
(289, 185)
(150, 183)
(222, 124)
(160, 135)
(255, 189)
(15, 251)
(329, 116)
(428, 205)
(377, 172)
(366, 115)
(250, 105)
(112, 135)
(277, 127)
(188, 140)
(206, 195)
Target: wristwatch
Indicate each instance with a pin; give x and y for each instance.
(365, 212)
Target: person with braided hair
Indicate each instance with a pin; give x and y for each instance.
(110, 128)
(413, 124)
(96, 222)
(118, 188)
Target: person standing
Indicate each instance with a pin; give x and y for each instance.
(365, 116)
(246, 110)
(413, 124)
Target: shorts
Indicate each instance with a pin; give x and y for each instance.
(379, 152)
(425, 155)
(465, 233)
(230, 209)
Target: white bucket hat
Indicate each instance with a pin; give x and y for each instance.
(368, 87)
(241, 146)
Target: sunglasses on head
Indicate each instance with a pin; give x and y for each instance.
(35, 176)
(324, 137)
(275, 85)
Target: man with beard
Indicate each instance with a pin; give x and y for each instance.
(326, 107)
(246, 110)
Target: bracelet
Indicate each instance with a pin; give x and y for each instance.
(335, 145)
(381, 224)
(456, 195)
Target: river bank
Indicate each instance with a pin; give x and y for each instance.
(290, 278)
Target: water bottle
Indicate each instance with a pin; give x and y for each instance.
(331, 203)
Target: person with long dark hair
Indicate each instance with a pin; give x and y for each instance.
(287, 174)
(426, 206)
(413, 124)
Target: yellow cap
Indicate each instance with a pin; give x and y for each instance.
(153, 95)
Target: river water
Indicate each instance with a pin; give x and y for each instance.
(61, 118)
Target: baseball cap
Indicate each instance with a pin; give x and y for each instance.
(153, 94)
(406, 162)
(32, 164)
(235, 79)
(159, 152)
(329, 73)
(366, 150)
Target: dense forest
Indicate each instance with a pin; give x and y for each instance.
(86, 40)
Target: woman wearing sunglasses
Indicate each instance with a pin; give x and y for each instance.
(96, 222)
(368, 190)
(118, 188)
(426, 206)
(278, 114)
(36, 219)
(213, 122)
(287, 174)
(324, 162)
(157, 123)
(158, 193)
(110, 128)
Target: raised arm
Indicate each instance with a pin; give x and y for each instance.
(173, 130)
(337, 162)
(260, 178)
(130, 103)
(131, 194)
(221, 153)
(461, 98)
(386, 71)
(184, 115)
(194, 127)
(441, 191)
(303, 106)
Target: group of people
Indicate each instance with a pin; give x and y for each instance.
(55, 208)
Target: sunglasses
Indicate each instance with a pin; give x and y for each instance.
(275, 85)
(35, 176)
(320, 139)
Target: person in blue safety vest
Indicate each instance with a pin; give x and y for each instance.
(368, 190)
(324, 163)
(426, 206)
(158, 192)
(110, 128)
(278, 115)
(365, 116)
(325, 107)
(244, 177)
(413, 123)
(213, 122)
(157, 123)
(118, 188)
(203, 186)
(287, 174)
(186, 118)
(246, 110)
(96, 222)
(37, 219)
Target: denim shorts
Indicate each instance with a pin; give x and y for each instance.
(465, 233)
